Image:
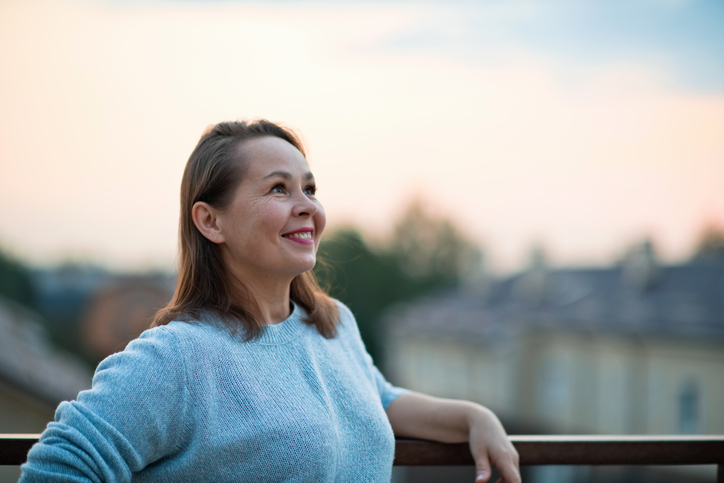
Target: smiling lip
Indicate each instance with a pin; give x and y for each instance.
(302, 236)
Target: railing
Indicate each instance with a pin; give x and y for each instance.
(533, 450)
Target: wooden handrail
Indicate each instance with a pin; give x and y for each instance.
(14, 448)
(577, 450)
(533, 450)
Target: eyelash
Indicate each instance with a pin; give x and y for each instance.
(311, 188)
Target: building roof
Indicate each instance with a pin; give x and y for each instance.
(29, 363)
(679, 301)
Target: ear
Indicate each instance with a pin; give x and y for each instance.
(205, 218)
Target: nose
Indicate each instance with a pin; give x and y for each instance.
(305, 206)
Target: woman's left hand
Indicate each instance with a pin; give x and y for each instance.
(489, 445)
(415, 415)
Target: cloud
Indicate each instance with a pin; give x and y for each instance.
(685, 39)
(102, 105)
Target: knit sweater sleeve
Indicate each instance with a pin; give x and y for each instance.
(134, 415)
(387, 391)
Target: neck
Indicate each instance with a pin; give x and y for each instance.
(271, 295)
(273, 304)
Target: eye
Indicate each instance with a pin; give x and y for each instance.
(278, 188)
(310, 190)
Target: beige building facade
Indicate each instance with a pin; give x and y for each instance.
(575, 351)
(565, 382)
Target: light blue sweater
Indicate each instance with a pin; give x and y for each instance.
(188, 402)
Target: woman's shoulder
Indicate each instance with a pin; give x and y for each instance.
(345, 313)
(167, 353)
(347, 324)
(163, 345)
(155, 346)
(180, 330)
(159, 336)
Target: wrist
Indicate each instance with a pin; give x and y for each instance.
(478, 415)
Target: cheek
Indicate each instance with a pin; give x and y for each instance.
(270, 218)
(320, 221)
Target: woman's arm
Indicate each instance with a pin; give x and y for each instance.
(134, 415)
(415, 415)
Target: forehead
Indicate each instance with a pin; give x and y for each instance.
(268, 154)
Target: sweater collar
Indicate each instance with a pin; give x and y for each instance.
(285, 330)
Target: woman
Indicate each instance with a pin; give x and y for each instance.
(251, 373)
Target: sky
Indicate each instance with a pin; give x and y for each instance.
(583, 127)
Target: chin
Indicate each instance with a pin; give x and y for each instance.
(304, 267)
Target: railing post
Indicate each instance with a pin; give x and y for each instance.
(720, 473)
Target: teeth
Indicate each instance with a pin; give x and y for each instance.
(304, 234)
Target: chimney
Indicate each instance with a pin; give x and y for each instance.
(532, 287)
(640, 267)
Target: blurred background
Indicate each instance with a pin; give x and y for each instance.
(525, 199)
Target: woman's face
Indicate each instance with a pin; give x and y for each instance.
(274, 223)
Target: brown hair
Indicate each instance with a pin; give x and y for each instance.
(212, 173)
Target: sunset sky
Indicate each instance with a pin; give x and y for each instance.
(582, 126)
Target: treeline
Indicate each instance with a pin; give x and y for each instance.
(425, 253)
(16, 284)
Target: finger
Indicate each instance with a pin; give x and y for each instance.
(506, 460)
(482, 469)
(509, 472)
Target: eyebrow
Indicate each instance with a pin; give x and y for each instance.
(287, 175)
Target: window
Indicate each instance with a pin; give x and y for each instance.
(689, 408)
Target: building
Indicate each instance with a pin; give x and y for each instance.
(34, 377)
(121, 309)
(633, 349)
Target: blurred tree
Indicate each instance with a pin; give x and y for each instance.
(425, 253)
(366, 281)
(711, 244)
(430, 247)
(15, 281)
